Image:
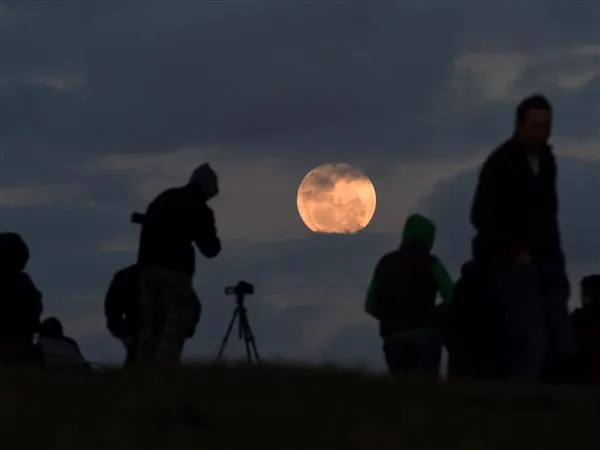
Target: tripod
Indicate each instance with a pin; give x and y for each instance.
(244, 331)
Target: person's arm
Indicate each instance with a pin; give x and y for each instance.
(491, 212)
(114, 308)
(372, 302)
(205, 232)
(197, 314)
(37, 308)
(33, 298)
(443, 281)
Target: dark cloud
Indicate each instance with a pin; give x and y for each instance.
(302, 79)
(578, 115)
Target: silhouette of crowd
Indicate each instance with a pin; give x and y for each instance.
(506, 317)
(150, 306)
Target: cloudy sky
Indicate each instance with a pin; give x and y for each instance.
(105, 104)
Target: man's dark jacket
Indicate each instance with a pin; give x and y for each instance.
(20, 305)
(402, 293)
(175, 220)
(514, 209)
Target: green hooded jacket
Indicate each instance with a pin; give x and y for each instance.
(418, 229)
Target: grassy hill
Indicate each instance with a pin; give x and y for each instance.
(286, 408)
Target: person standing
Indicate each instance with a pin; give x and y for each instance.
(174, 221)
(20, 303)
(515, 214)
(402, 297)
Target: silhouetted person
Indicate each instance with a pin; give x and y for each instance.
(122, 309)
(476, 335)
(20, 302)
(586, 324)
(178, 218)
(402, 297)
(515, 212)
(56, 349)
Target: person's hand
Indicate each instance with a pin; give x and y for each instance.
(523, 257)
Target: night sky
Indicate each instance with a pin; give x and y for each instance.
(103, 105)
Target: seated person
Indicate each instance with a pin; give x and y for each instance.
(20, 303)
(56, 349)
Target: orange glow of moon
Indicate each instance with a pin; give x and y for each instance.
(336, 198)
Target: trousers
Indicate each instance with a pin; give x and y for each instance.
(534, 299)
(167, 316)
(417, 352)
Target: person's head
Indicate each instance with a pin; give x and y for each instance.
(205, 181)
(14, 252)
(419, 230)
(51, 328)
(533, 123)
(590, 290)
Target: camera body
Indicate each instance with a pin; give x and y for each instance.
(240, 289)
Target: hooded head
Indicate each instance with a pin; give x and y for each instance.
(205, 180)
(14, 252)
(419, 230)
(52, 328)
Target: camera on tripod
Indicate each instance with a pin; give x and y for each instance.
(240, 289)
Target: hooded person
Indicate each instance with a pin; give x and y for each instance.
(175, 221)
(402, 297)
(20, 302)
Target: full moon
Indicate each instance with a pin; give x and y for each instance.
(336, 198)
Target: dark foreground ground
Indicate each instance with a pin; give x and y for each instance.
(286, 408)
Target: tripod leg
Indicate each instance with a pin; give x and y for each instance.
(244, 334)
(249, 339)
(229, 328)
(248, 354)
(253, 344)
